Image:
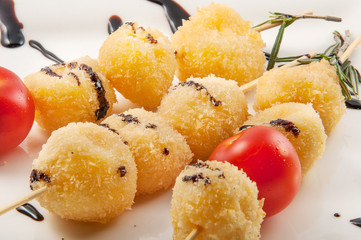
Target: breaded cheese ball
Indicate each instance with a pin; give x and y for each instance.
(315, 83)
(301, 124)
(216, 40)
(139, 62)
(159, 151)
(217, 198)
(205, 111)
(90, 174)
(72, 92)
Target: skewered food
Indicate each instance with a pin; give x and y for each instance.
(216, 40)
(301, 124)
(315, 83)
(217, 198)
(205, 111)
(159, 151)
(90, 174)
(72, 92)
(139, 62)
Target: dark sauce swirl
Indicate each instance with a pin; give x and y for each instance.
(114, 23)
(288, 126)
(122, 171)
(129, 118)
(196, 178)
(200, 87)
(11, 35)
(356, 222)
(353, 103)
(174, 12)
(101, 112)
(29, 210)
(36, 45)
(106, 125)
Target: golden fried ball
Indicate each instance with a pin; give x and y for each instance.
(217, 198)
(72, 92)
(301, 124)
(139, 62)
(216, 40)
(90, 174)
(315, 83)
(159, 151)
(205, 111)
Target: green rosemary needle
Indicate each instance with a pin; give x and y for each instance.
(286, 20)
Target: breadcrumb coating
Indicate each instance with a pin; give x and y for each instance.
(219, 199)
(315, 83)
(72, 92)
(139, 62)
(205, 111)
(216, 40)
(90, 174)
(159, 151)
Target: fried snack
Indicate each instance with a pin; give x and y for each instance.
(205, 111)
(216, 40)
(71, 92)
(301, 124)
(217, 198)
(90, 174)
(159, 151)
(139, 62)
(315, 83)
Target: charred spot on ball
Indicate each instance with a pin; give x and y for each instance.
(200, 87)
(122, 171)
(287, 125)
(105, 125)
(129, 118)
(37, 176)
(165, 151)
(151, 125)
(244, 127)
(50, 72)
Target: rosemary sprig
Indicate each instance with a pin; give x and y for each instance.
(349, 76)
(278, 18)
(286, 20)
(276, 46)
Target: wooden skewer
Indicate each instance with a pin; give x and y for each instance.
(350, 49)
(248, 86)
(22, 200)
(271, 25)
(193, 234)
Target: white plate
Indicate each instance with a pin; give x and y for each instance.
(72, 29)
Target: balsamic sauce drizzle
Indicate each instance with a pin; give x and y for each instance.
(353, 103)
(36, 45)
(101, 112)
(174, 12)
(200, 87)
(287, 125)
(29, 210)
(114, 23)
(11, 35)
(356, 222)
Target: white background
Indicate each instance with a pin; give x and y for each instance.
(72, 29)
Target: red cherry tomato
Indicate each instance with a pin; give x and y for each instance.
(16, 110)
(269, 159)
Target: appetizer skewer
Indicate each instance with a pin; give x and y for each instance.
(197, 230)
(40, 176)
(73, 92)
(159, 151)
(35, 194)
